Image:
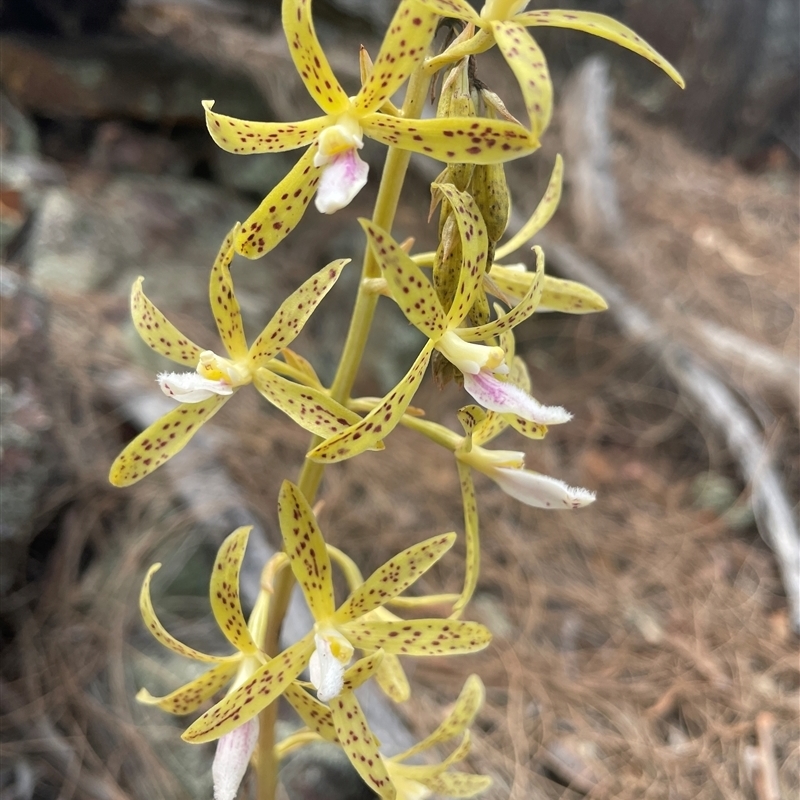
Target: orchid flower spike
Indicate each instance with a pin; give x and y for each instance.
(331, 167)
(482, 365)
(337, 633)
(504, 22)
(216, 378)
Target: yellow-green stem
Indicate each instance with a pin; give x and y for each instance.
(394, 172)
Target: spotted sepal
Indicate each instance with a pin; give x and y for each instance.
(471, 537)
(419, 637)
(293, 314)
(460, 140)
(224, 591)
(458, 784)
(224, 305)
(380, 422)
(191, 696)
(309, 57)
(163, 439)
(245, 137)
(409, 286)
(519, 313)
(394, 577)
(570, 297)
(158, 332)
(529, 66)
(314, 714)
(280, 210)
(306, 549)
(312, 409)
(263, 687)
(541, 216)
(362, 671)
(404, 46)
(466, 707)
(474, 249)
(391, 678)
(360, 745)
(457, 9)
(160, 632)
(604, 27)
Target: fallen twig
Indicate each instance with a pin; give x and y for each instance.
(716, 404)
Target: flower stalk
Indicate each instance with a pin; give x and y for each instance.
(468, 342)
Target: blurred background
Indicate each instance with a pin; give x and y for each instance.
(645, 646)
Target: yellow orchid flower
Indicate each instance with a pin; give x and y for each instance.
(478, 362)
(419, 782)
(337, 633)
(203, 392)
(235, 748)
(507, 467)
(331, 167)
(504, 22)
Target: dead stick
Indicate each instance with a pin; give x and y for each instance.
(716, 404)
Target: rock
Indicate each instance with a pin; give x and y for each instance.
(119, 147)
(101, 78)
(101, 233)
(27, 453)
(18, 134)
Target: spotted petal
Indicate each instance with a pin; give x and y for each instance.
(540, 217)
(224, 591)
(306, 549)
(309, 57)
(391, 677)
(404, 46)
(458, 784)
(360, 744)
(466, 707)
(506, 398)
(394, 577)
(224, 304)
(407, 283)
(191, 696)
(280, 210)
(246, 137)
(420, 637)
(160, 632)
(293, 314)
(461, 140)
(158, 332)
(472, 538)
(474, 250)
(528, 64)
(263, 687)
(570, 297)
(312, 409)
(162, 440)
(457, 9)
(604, 27)
(540, 491)
(380, 422)
(518, 314)
(314, 714)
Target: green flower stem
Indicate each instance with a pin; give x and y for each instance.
(394, 172)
